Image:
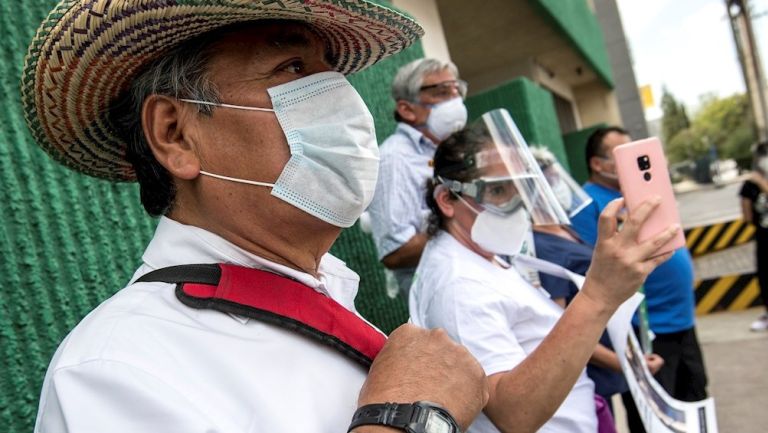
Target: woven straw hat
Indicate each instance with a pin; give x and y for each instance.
(86, 53)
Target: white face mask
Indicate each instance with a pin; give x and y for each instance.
(446, 118)
(334, 154)
(497, 234)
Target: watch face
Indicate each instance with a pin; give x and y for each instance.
(436, 423)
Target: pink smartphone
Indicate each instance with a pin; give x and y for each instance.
(642, 170)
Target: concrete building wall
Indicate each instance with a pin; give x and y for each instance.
(626, 93)
(426, 13)
(597, 105)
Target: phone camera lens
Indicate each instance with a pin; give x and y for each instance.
(644, 162)
(647, 176)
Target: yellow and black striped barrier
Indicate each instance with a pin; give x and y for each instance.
(730, 292)
(716, 237)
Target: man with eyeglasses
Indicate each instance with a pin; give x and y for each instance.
(429, 106)
(668, 289)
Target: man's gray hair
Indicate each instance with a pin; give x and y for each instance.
(180, 73)
(410, 77)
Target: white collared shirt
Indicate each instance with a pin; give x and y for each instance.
(497, 316)
(398, 210)
(144, 362)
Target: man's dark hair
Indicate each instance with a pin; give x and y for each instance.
(595, 142)
(180, 73)
(454, 160)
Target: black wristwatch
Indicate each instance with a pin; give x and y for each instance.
(418, 417)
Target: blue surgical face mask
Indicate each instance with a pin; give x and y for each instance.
(334, 154)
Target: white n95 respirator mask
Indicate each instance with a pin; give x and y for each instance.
(497, 232)
(334, 161)
(446, 118)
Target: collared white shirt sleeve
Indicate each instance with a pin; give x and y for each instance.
(398, 209)
(137, 401)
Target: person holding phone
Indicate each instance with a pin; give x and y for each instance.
(754, 206)
(485, 191)
(669, 288)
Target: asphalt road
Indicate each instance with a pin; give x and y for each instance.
(709, 204)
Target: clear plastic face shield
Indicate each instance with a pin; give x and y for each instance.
(568, 192)
(508, 177)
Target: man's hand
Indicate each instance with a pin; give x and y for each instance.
(419, 364)
(620, 263)
(654, 362)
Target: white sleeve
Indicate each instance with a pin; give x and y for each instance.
(106, 396)
(480, 318)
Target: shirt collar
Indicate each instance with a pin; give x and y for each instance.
(421, 143)
(178, 244)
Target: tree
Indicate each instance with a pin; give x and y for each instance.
(725, 123)
(675, 118)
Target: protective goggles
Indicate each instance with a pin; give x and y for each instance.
(497, 195)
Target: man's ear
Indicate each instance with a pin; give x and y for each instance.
(595, 164)
(163, 123)
(445, 201)
(405, 110)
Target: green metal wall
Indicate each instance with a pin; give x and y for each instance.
(579, 25)
(68, 241)
(532, 108)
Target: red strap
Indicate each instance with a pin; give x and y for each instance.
(290, 299)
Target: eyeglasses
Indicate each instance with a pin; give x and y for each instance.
(446, 89)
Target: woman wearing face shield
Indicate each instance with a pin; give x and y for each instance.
(485, 186)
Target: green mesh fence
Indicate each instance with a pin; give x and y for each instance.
(576, 22)
(532, 109)
(575, 147)
(68, 241)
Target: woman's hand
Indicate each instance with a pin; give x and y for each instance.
(620, 263)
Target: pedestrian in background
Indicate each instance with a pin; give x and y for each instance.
(754, 207)
(429, 106)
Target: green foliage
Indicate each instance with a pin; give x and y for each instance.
(725, 123)
(675, 118)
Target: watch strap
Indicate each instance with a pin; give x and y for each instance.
(409, 417)
(389, 414)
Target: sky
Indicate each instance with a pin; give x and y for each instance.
(687, 46)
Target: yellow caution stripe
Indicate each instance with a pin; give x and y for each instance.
(729, 292)
(716, 237)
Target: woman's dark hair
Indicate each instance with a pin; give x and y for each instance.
(454, 160)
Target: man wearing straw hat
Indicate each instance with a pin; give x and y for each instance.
(250, 145)
(248, 142)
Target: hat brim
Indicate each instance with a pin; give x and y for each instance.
(86, 53)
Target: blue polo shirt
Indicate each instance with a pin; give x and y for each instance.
(668, 289)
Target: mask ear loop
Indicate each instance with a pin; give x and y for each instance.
(234, 179)
(218, 104)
